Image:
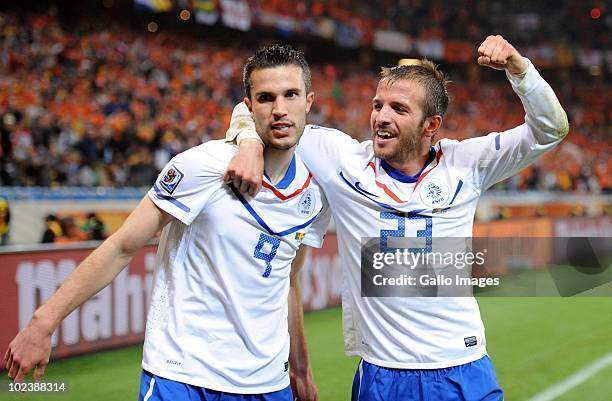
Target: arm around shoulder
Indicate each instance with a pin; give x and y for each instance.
(246, 168)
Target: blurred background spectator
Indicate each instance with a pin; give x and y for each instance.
(53, 229)
(5, 218)
(94, 228)
(70, 232)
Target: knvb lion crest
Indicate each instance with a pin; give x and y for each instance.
(307, 203)
(171, 179)
(434, 193)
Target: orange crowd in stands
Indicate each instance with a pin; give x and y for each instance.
(111, 107)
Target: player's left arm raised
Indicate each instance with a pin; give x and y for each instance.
(501, 155)
(544, 113)
(300, 372)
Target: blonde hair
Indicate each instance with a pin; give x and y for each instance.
(427, 74)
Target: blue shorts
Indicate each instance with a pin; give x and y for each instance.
(155, 388)
(474, 381)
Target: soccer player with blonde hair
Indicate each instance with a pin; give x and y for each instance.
(400, 184)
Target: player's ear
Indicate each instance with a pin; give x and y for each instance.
(248, 103)
(309, 100)
(432, 124)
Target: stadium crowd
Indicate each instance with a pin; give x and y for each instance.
(110, 107)
(557, 21)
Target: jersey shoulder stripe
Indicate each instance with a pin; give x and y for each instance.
(174, 201)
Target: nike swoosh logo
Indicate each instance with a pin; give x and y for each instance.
(358, 185)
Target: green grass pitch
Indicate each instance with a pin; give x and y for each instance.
(534, 343)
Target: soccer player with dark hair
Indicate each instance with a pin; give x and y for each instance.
(226, 294)
(400, 184)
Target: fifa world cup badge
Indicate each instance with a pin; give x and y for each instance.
(171, 179)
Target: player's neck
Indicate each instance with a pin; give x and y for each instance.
(276, 163)
(410, 164)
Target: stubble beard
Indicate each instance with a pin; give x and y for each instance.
(272, 145)
(280, 147)
(409, 147)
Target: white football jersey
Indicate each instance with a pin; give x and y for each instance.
(369, 198)
(218, 314)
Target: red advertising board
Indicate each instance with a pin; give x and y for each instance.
(116, 316)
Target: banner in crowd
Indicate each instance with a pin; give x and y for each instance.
(205, 12)
(392, 41)
(116, 316)
(236, 14)
(154, 6)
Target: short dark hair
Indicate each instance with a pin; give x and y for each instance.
(427, 74)
(274, 56)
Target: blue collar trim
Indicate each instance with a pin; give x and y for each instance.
(288, 178)
(399, 176)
